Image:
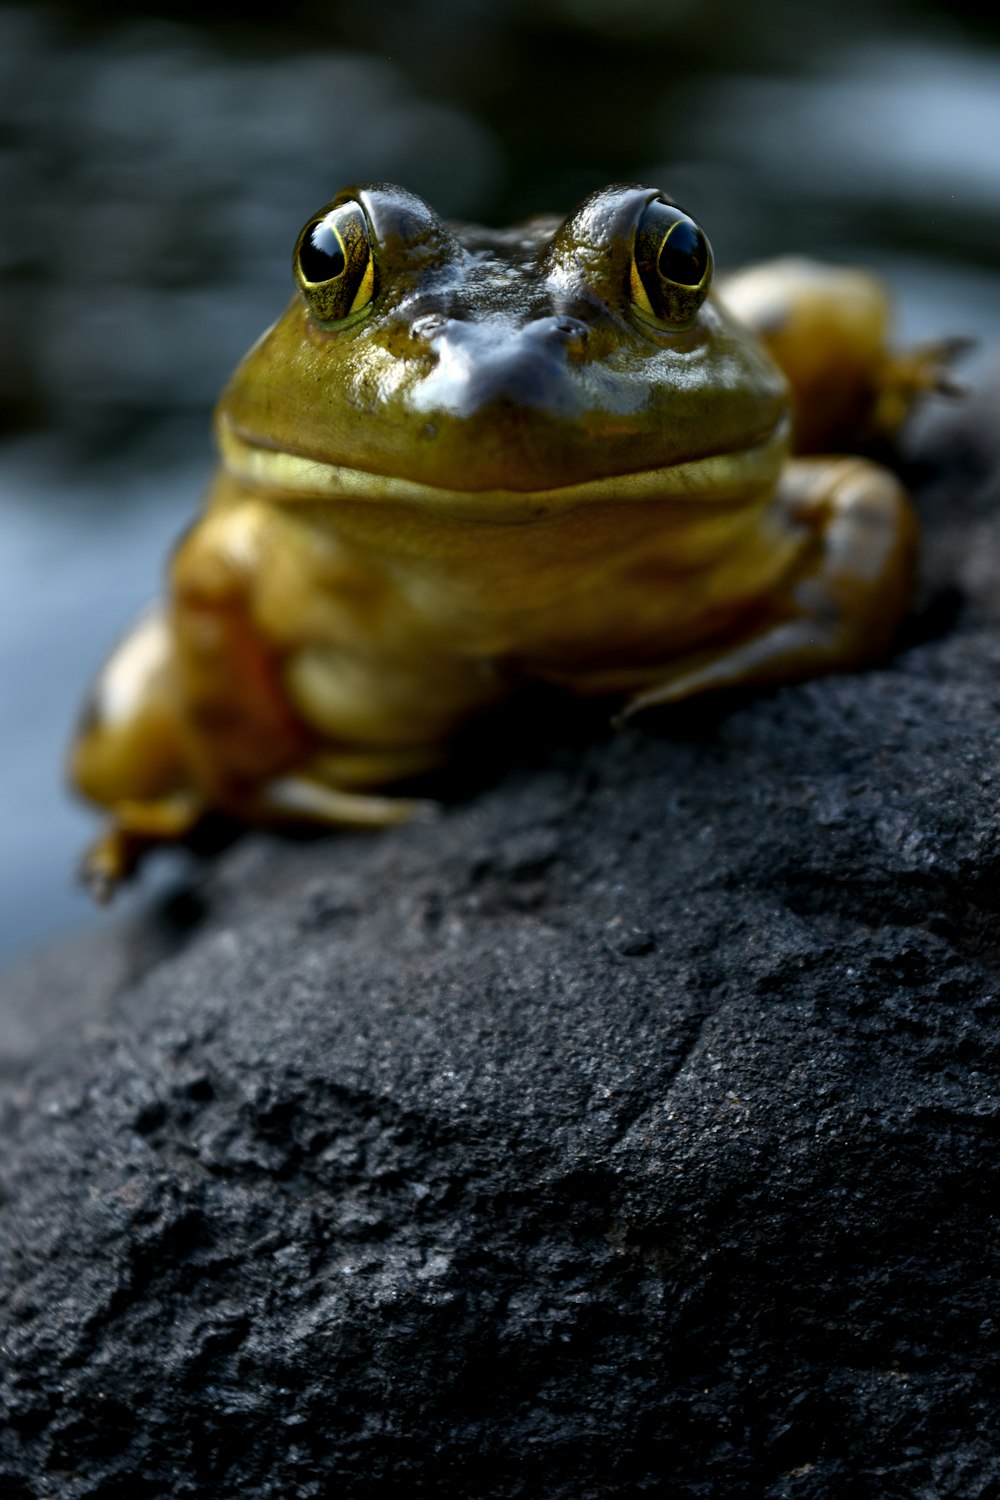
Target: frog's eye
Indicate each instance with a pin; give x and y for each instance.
(671, 264)
(333, 264)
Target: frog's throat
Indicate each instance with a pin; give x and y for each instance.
(718, 478)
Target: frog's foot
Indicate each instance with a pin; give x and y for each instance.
(843, 598)
(333, 789)
(303, 799)
(828, 327)
(136, 828)
(905, 376)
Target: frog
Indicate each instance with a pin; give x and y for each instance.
(463, 462)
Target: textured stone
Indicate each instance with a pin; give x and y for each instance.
(629, 1130)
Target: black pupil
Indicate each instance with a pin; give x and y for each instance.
(321, 256)
(684, 254)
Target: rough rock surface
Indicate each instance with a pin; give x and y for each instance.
(631, 1130)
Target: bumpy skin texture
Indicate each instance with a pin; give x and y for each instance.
(502, 469)
(632, 1131)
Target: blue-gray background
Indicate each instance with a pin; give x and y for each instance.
(154, 171)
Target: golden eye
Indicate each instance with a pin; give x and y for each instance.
(671, 264)
(334, 266)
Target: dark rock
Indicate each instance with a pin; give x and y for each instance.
(630, 1130)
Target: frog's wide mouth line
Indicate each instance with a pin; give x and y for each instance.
(718, 477)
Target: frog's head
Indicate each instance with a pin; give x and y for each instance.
(460, 367)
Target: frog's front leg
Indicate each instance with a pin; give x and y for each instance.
(187, 715)
(192, 712)
(252, 590)
(841, 600)
(828, 327)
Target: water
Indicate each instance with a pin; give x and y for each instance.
(81, 555)
(153, 176)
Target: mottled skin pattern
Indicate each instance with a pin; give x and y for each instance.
(463, 461)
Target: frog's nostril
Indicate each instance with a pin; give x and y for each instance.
(428, 326)
(571, 333)
(570, 328)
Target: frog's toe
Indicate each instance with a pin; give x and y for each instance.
(136, 828)
(302, 799)
(908, 375)
(786, 652)
(106, 863)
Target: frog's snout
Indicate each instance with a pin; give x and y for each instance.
(479, 364)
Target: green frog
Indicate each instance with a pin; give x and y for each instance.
(463, 461)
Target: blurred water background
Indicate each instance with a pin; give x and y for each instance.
(156, 164)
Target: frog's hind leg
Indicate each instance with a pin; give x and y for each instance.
(828, 327)
(128, 755)
(842, 599)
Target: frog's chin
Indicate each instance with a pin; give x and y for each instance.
(718, 478)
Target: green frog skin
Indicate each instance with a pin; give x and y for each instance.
(463, 461)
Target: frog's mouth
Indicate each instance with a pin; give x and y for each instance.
(718, 478)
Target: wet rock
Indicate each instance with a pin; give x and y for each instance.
(630, 1130)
